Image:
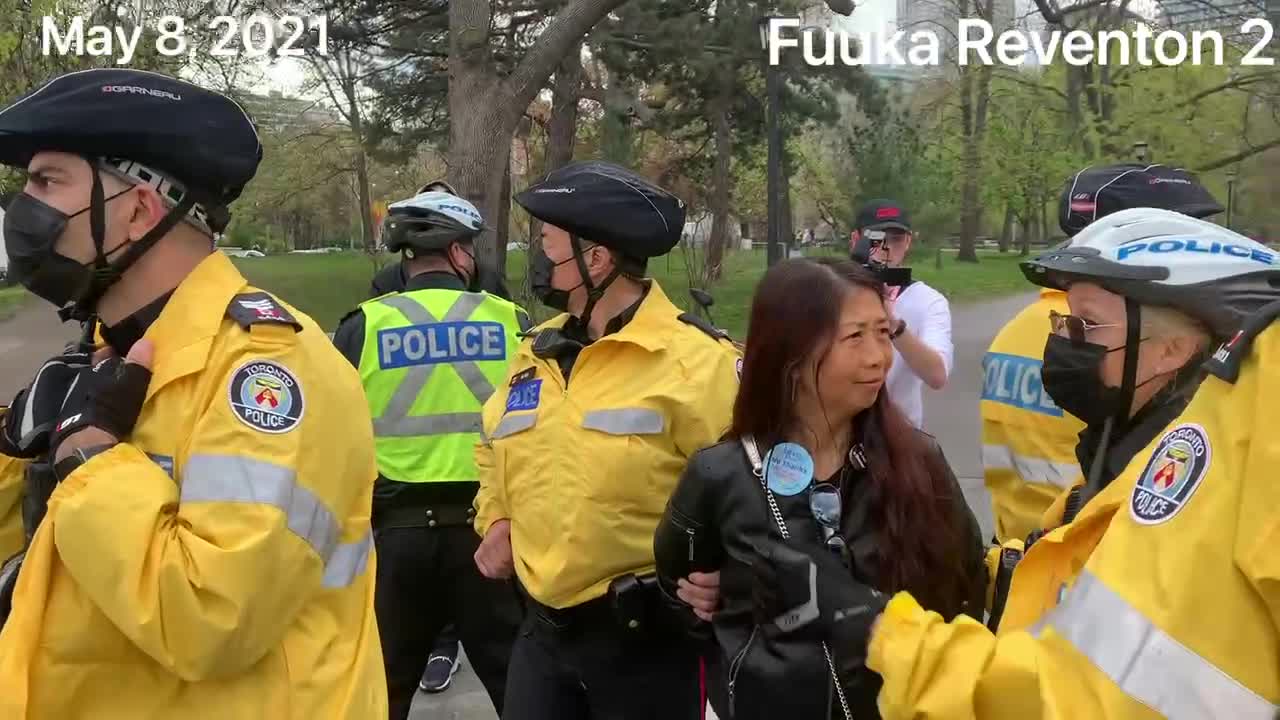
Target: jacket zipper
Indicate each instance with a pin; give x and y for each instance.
(736, 665)
(689, 526)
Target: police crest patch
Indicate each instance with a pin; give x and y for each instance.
(739, 369)
(267, 397)
(1174, 471)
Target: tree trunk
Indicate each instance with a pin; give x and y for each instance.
(503, 224)
(1044, 221)
(615, 145)
(788, 230)
(366, 210)
(720, 180)
(562, 128)
(976, 92)
(1028, 227)
(362, 164)
(1007, 230)
(485, 109)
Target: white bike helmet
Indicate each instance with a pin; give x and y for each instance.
(1160, 257)
(431, 221)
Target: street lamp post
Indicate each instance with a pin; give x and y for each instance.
(1231, 197)
(774, 163)
(1140, 151)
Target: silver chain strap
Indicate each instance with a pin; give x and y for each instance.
(753, 454)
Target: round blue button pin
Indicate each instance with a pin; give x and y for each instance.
(788, 469)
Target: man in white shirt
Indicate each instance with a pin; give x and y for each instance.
(919, 315)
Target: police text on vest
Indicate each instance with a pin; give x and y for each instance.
(445, 342)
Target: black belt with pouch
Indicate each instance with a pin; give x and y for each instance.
(633, 603)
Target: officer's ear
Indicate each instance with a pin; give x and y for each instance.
(143, 208)
(1176, 351)
(600, 261)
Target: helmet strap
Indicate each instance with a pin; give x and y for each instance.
(107, 273)
(594, 292)
(1119, 420)
(1132, 346)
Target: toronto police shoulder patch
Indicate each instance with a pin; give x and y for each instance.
(265, 396)
(1174, 471)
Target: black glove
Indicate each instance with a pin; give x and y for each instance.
(108, 396)
(815, 595)
(30, 419)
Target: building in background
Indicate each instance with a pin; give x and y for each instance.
(942, 17)
(1224, 16)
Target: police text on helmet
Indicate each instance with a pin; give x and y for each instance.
(1192, 245)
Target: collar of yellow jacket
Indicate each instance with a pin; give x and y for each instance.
(184, 332)
(650, 327)
(1051, 293)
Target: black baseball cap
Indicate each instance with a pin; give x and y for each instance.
(1096, 192)
(883, 215)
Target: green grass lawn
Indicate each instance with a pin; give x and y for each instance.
(326, 287)
(11, 298)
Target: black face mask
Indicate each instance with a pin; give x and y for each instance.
(541, 268)
(1071, 376)
(31, 230)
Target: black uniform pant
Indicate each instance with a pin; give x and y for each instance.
(593, 669)
(427, 579)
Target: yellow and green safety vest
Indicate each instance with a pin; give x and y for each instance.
(431, 359)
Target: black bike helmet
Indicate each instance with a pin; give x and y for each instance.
(609, 205)
(201, 140)
(1096, 192)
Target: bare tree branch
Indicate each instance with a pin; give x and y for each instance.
(564, 32)
(1243, 154)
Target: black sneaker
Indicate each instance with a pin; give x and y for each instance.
(439, 673)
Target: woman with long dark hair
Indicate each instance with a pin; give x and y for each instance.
(818, 457)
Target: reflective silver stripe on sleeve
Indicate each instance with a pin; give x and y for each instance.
(625, 421)
(348, 562)
(1145, 662)
(1030, 469)
(233, 478)
(512, 424)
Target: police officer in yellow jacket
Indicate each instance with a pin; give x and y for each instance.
(429, 357)
(1159, 599)
(207, 551)
(583, 446)
(1029, 445)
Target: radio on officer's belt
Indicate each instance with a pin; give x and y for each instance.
(632, 600)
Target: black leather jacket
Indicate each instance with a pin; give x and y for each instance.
(716, 518)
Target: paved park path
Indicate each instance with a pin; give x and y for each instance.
(27, 339)
(34, 334)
